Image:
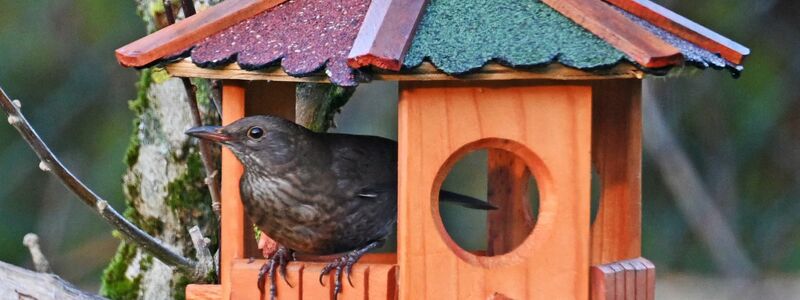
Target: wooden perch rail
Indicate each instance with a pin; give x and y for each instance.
(50, 163)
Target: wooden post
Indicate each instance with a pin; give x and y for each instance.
(547, 127)
(512, 222)
(617, 157)
(232, 239)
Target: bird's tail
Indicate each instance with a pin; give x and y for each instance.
(465, 201)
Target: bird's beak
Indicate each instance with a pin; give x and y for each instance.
(210, 133)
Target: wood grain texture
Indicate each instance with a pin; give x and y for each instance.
(386, 34)
(684, 28)
(623, 280)
(371, 280)
(601, 19)
(617, 157)
(233, 220)
(426, 72)
(512, 222)
(182, 35)
(549, 128)
(203, 292)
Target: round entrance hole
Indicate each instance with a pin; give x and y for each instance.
(488, 175)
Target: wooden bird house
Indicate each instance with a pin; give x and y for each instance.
(550, 89)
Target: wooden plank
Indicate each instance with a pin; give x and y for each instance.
(294, 274)
(203, 292)
(425, 72)
(623, 280)
(233, 221)
(382, 282)
(604, 21)
(684, 28)
(617, 157)
(602, 285)
(641, 279)
(439, 122)
(359, 289)
(512, 222)
(370, 280)
(311, 287)
(386, 34)
(182, 35)
(630, 279)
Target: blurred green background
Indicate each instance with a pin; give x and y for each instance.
(743, 136)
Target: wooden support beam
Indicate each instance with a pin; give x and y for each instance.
(632, 279)
(512, 222)
(203, 292)
(232, 227)
(684, 28)
(425, 72)
(386, 34)
(182, 35)
(604, 21)
(617, 158)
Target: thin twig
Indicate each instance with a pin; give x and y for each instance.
(168, 12)
(50, 163)
(40, 263)
(205, 150)
(205, 147)
(188, 8)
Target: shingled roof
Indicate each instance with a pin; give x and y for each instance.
(344, 37)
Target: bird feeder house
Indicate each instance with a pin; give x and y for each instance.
(550, 88)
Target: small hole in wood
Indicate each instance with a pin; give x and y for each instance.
(501, 178)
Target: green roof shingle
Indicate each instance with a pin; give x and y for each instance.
(459, 36)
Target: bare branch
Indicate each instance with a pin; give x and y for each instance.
(204, 257)
(205, 150)
(691, 195)
(19, 283)
(40, 263)
(51, 164)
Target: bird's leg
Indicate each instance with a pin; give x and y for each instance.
(279, 260)
(346, 262)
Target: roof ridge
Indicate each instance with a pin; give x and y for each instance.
(182, 35)
(645, 48)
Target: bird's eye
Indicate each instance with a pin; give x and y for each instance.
(255, 132)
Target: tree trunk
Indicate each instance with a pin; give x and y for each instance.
(164, 188)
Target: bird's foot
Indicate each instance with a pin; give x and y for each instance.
(345, 262)
(278, 261)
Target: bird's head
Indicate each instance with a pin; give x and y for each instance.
(257, 140)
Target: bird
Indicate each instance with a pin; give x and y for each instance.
(316, 193)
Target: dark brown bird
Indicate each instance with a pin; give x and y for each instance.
(316, 193)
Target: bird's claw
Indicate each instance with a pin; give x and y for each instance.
(279, 260)
(345, 262)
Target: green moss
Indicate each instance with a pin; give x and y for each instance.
(336, 97)
(150, 225)
(462, 35)
(188, 192)
(138, 106)
(115, 284)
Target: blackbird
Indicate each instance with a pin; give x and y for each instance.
(316, 193)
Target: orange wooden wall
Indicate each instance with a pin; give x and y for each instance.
(548, 127)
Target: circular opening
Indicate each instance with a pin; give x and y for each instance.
(496, 176)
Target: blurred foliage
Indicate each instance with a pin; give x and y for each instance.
(743, 135)
(57, 57)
